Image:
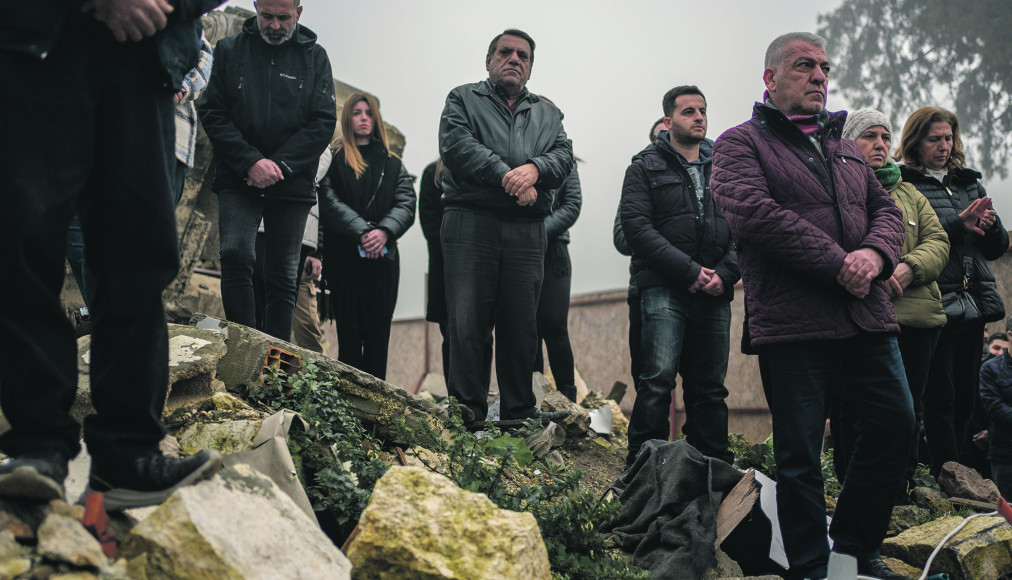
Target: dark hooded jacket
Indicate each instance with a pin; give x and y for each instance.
(949, 199)
(996, 397)
(274, 102)
(480, 141)
(661, 221)
(34, 26)
(795, 213)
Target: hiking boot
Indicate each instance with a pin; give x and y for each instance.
(150, 479)
(34, 476)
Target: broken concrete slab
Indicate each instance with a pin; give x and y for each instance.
(546, 439)
(64, 539)
(930, 499)
(193, 358)
(420, 525)
(961, 481)
(376, 402)
(231, 527)
(983, 549)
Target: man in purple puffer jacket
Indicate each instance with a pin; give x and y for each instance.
(816, 235)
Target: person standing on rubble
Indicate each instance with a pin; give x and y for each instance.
(817, 238)
(95, 133)
(686, 269)
(269, 111)
(504, 150)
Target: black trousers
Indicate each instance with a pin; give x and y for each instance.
(951, 391)
(89, 130)
(553, 316)
(493, 272)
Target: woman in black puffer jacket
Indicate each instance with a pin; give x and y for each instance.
(932, 153)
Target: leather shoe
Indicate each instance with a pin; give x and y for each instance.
(548, 416)
(874, 567)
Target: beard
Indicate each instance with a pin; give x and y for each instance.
(275, 37)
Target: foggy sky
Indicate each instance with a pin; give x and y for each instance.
(606, 64)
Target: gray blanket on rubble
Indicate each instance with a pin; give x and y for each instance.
(669, 508)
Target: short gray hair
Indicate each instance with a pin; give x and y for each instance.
(777, 50)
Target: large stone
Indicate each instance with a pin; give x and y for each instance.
(930, 499)
(238, 525)
(420, 525)
(958, 480)
(982, 549)
(64, 539)
(227, 437)
(376, 402)
(905, 517)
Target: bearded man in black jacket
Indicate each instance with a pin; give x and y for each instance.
(269, 112)
(94, 124)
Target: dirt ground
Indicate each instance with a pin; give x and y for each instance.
(600, 459)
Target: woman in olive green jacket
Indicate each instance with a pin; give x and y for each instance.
(915, 295)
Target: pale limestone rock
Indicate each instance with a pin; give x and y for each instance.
(227, 437)
(420, 525)
(64, 539)
(14, 566)
(239, 525)
(227, 402)
(983, 549)
(9, 546)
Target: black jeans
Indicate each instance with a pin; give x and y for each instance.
(951, 391)
(553, 317)
(91, 131)
(493, 272)
(239, 214)
(866, 373)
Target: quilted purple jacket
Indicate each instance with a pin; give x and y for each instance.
(794, 217)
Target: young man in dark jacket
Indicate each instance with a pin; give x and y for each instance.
(685, 269)
(269, 112)
(996, 398)
(95, 134)
(504, 150)
(816, 235)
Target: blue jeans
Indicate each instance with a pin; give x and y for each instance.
(239, 215)
(78, 264)
(866, 374)
(493, 271)
(687, 334)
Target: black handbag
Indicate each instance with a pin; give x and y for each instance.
(960, 307)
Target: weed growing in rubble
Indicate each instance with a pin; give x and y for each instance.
(570, 520)
(332, 455)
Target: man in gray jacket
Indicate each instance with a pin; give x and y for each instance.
(504, 151)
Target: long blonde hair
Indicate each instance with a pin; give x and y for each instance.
(352, 156)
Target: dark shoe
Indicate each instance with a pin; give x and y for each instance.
(874, 567)
(549, 416)
(34, 476)
(151, 479)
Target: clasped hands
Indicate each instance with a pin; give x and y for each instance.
(519, 183)
(859, 268)
(130, 19)
(264, 173)
(709, 282)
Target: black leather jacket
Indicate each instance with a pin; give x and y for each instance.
(274, 102)
(33, 27)
(669, 241)
(480, 141)
(566, 204)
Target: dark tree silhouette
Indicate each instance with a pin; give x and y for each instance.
(899, 55)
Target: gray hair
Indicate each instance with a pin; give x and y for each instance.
(777, 50)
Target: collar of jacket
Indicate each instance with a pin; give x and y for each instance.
(664, 148)
(914, 176)
(772, 117)
(302, 35)
(486, 89)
